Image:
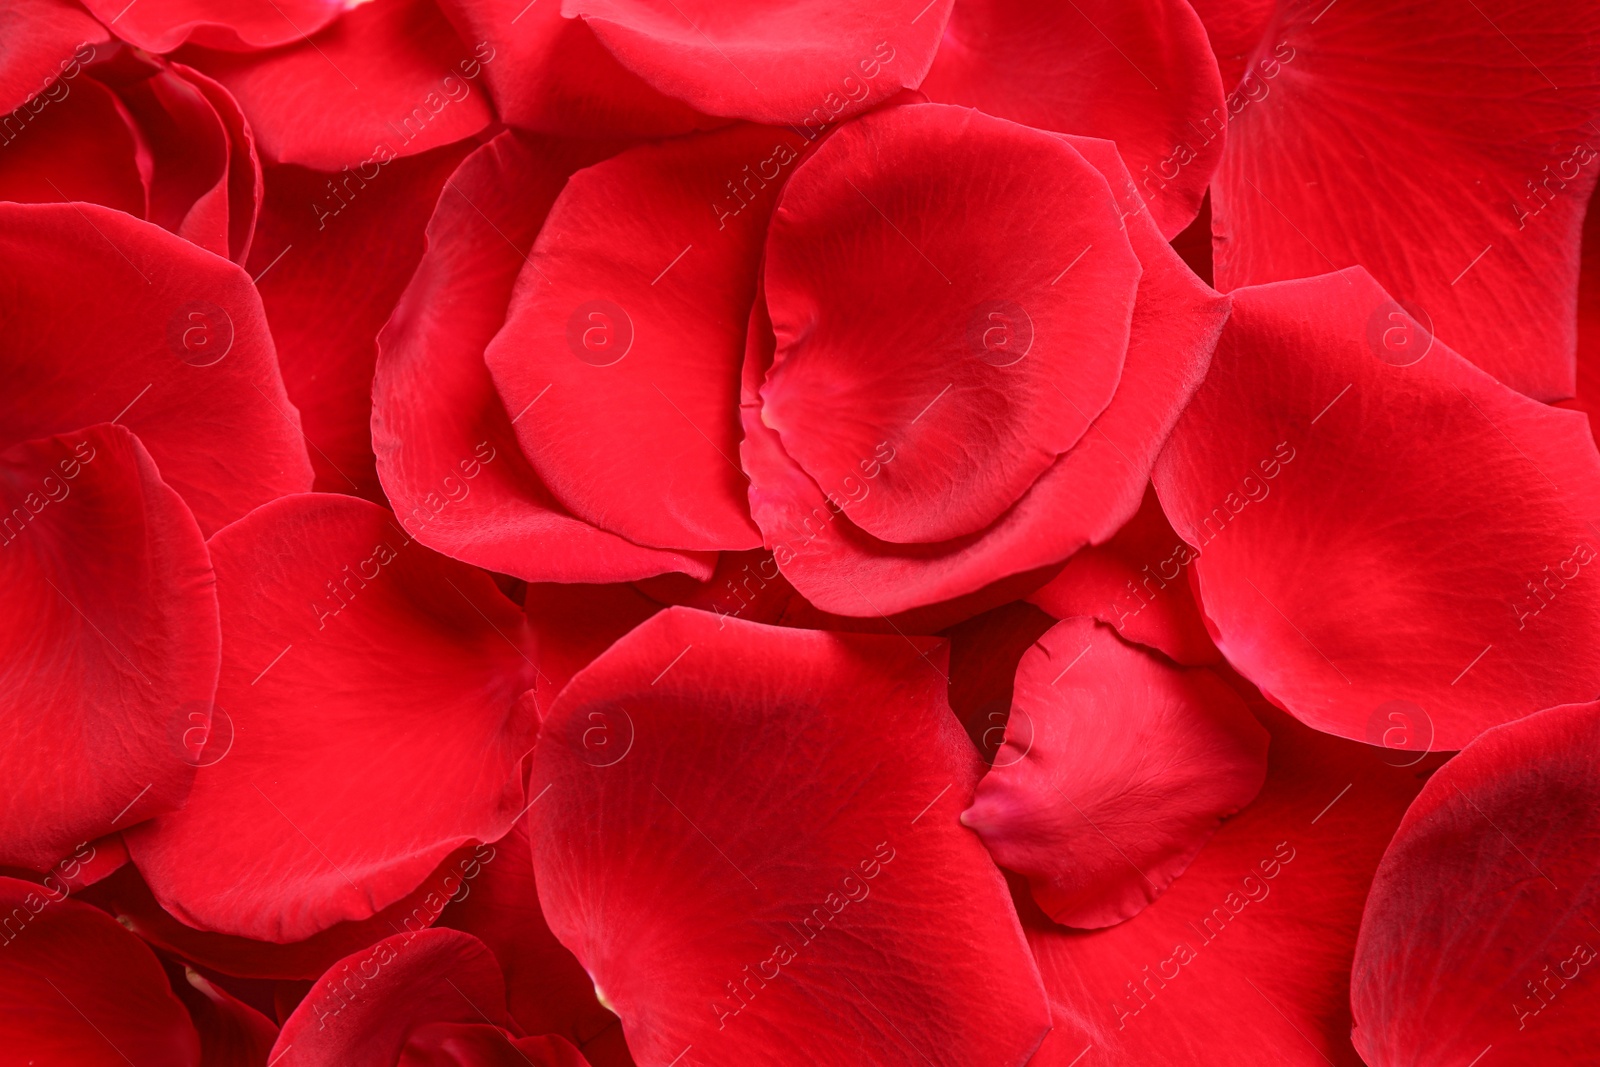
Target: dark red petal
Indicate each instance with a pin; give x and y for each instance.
(480, 1045)
(1245, 960)
(78, 989)
(110, 318)
(1478, 933)
(325, 316)
(371, 685)
(1377, 539)
(794, 62)
(1083, 498)
(778, 778)
(85, 151)
(236, 25)
(1140, 74)
(553, 76)
(572, 624)
(109, 640)
(1483, 240)
(232, 1033)
(984, 652)
(362, 1011)
(447, 449)
(41, 40)
(637, 334)
(1116, 770)
(387, 79)
(1138, 583)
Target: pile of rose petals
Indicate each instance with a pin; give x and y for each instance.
(698, 533)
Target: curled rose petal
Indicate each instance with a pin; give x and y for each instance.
(110, 639)
(447, 449)
(372, 686)
(1478, 241)
(232, 1033)
(773, 868)
(1477, 933)
(1115, 771)
(234, 25)
(1377, 539)
(794, 62)
(1139, 74)
(152, 333)
(81, 990)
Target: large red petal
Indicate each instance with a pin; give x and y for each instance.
(372, 685)
(1245, 960)
(110, 318)
(78, 989)
(793, 62)
(236, 25)
(109, 641)
(1376, 539)
(84, 151)
(387, 79)
(1116, 770)
(447, 450)
(1137, 73)
(773, 870)
(636, 333)
(41, 40)
(1478, 941)
(1464, 201)
(1234, 28)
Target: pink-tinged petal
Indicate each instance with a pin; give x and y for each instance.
(1116, 770)
(372, 686)
(795, 62)
(447, 449)
(363, 1011)
(79, 989)
(113, 319)
(326, 316)
(1245, 960)
(481, 1045)
(41, 40)
(387, 79)
(1464, 201)
(83, 149)
(234, 25)
(1478, 939)
(232, 1033)
(1083, 498)
(773, 870)
(1235, 28)
(636, 334)
(1138, 583)
(553, 75)
(109, 639)
(1137, 73)
(1376, 538)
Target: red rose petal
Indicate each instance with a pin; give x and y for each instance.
(81, 990)
(235, 25)
(110, 638)
(1457, 235)
(871, 327)
(798, 61)
(110, 318)
(447, 449)
(1245, 960)
(1140, 74)
(361, 1013)
(984, 652)
(371, 684)
(1115, 771)
(245, 187)
(479, 1045)
(232, 1033)
(1083, 498)
(637, 334)
(1476, 941)
(1137, 582)
(41, 40)
(325, 316)
(1369, 535)
(1234, 28)
(778, 778)
(387, 79)
(85, 152)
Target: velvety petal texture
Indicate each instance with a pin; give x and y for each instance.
(1464, 201)
(372, 686)
(102, 662)
(41, 41)
(773, 869)
(1479, 938)
(1370, 533)
(235, 25)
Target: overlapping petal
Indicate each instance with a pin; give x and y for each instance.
(234, 25)
(43, 40)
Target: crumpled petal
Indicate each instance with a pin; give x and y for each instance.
(1375, 539)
